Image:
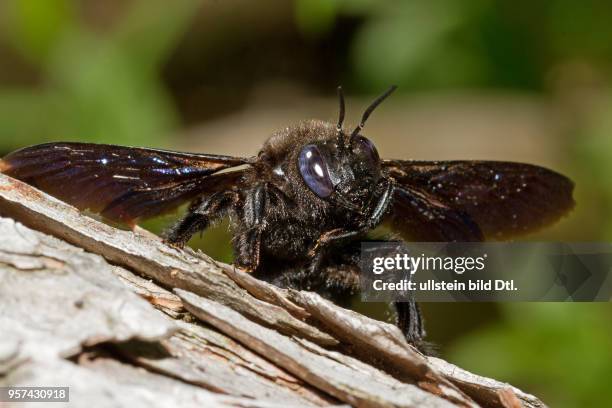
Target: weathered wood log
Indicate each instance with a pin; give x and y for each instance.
(107, 323)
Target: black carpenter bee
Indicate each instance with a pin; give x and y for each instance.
(299, 208)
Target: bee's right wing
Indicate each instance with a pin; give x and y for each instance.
(123, 184)
(475, 200)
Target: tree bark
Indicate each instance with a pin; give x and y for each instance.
(125, 320)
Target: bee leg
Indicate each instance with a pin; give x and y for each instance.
(341, 280)
(341, 277)
(409, 319)
(199, 216)
(248, 243)
(339, 235)
(318, 253)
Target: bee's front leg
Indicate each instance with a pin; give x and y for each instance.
(200, 216)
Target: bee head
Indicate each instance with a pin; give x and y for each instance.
(346, 168)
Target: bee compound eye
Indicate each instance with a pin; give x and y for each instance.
(313, 169)
(368, 147)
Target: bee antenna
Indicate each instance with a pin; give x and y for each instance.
(340, 114)
(370, 109)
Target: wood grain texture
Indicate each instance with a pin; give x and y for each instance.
(346, 380)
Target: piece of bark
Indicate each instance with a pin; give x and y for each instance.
(106, 382)
(370, 339)
(485, 391)
(147, 289)
(207, 359)
(383, 341)
(203, 357)
(58, 302)
(264, 291)
(340, 380)
(56, 298)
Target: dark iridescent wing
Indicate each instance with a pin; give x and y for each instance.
(502, 199)
(419, 216)
(121, 183)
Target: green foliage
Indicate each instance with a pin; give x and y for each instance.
(560, 351)
(315, 17)
(38, 25)
(411, 45)
(473, 43)
(95, 86)
(594, 154)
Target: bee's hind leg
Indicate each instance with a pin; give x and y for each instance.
(340, 278)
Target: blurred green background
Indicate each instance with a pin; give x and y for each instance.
(523, 81)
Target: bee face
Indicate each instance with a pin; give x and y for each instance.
(342, 174)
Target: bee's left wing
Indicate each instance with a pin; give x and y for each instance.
(474, 200)
(123, 184)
